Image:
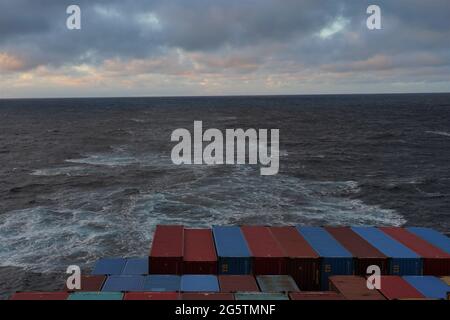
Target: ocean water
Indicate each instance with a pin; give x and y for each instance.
(82, 179)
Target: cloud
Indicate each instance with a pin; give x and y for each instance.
(201, 43)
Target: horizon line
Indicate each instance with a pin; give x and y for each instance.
(223, 96)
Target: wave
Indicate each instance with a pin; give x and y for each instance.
(118, 221)
(440, 133)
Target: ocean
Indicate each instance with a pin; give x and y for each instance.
(82, 179)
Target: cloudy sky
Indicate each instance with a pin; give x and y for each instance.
(221, 47)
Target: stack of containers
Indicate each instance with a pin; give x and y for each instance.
(303, 263)
(335, 259)
(396, 288)
(238, 283)
(166, 254)
(431, 287)
(365, 255)
(267, 255)
(199, 252)
(234, 256)
(436, 262)
(402, 261)
(354, 288)
(432, 236)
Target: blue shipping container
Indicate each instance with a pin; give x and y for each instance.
(136, 266)
(402, 260)
(431, 287)
(109, 266)
(124, 284)
(232, 250)
(435, 238)
(199, 283)
(335, 259)
(162, 283)
(96, 296)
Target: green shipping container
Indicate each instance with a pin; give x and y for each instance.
(96, 296)
(260, 296)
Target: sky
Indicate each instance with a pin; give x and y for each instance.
(222, 47)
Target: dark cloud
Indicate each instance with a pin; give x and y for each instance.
(242, 36)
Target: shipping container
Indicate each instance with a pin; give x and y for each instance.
(354, 288)
(364, 254)
(124, 284)
(432, 236)
(402, 261)
(260, 296)
(152, 296)
(431, 287)
(96, 296)
(199, 252)
(135, 267)
(109, 266)
(435, 261)
(395, 288)
(316, 295)
(278, 283)
(39, 296)
(166, 254)
(233, 253)
(199, 283)
(89, 283)
(237, 283)
(207, 296)
(162, 283)
(335, 259)
(303, 263)
(267, 255)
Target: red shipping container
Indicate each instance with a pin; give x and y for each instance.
(365, 254)
(166, 255)
(394, 288)
(316, 295)
(152, 296)
(40, 296)
(354, 288)
(207, 296)
(90, 284)
(267, 255)
(302, 263)
(436, 262)
(232, 284)
(199, 252)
